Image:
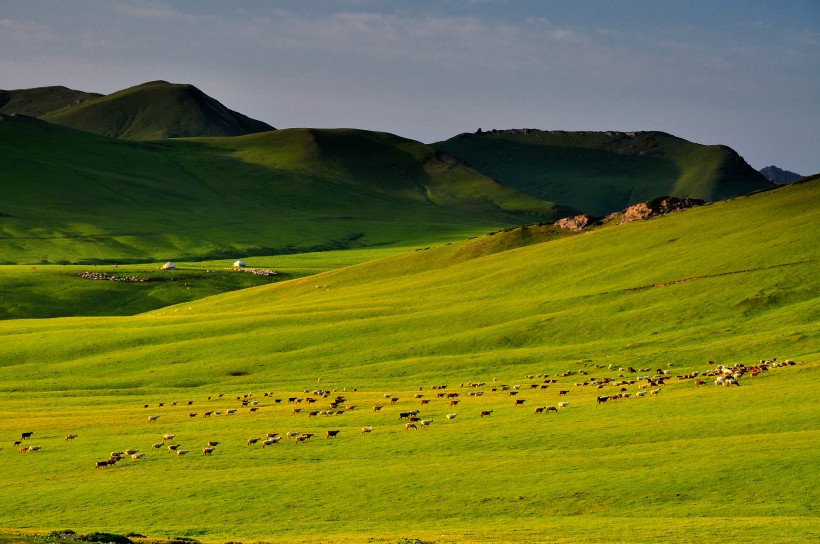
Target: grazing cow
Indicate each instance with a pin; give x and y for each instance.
(231, 411)
(640, 394)
(519, 402)
(540, 409)
(137, 456)
(451, 416)
(252, 441)
(486, 412)
(102, 464)
(403, 415)
(70, 437)
(654, 391)
(426, 422)
(168, 437)
(425, 401)
(17, 442)
(409, 426)
(271, 441)
(565, 392)
(603, 399)
(552, 409)
(314, 413)
(192, 415)
(208, 414)
(153, 418)
(272, 435)
(212, 444)
(332, 434)
(377, 408)
(294, 411)
(181, 453)
(32, 448)
(26, 436)
(208, 450)
(130, 452)
(454, 402)
(367, 430)
(156, 446)
(172, 447)
(563, 404)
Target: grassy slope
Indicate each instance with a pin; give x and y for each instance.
(155, 110)
(263, 194)
(712, 464)
(603, 172)
(38, 101)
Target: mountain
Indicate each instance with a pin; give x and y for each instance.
(604, 172)
(73, 196)
(156, 110)
(778, 175)
(41, 100)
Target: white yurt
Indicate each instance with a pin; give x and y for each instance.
(169, 266)
(239, 264)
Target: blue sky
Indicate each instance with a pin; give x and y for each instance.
(741, 73)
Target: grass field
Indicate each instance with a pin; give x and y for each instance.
(734, 282)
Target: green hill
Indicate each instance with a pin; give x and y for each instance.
(604, 172)
(41, 100)
(156, 110)
(665, 297)
(75, 197)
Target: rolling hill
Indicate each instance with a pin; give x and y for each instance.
(156, 110)
(74, 197)
(604, 172)
(495, 315)
(41, 100)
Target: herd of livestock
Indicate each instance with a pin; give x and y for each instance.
(320, 402)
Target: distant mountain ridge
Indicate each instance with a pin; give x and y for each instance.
(604, 172)
(778, 175)
(41, 100)
(150, 111)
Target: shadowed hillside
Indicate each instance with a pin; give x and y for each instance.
(72, 196)
(38, 101)
(603, 172)
(156, 110)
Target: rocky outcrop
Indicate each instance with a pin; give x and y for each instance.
(658, 206)
(576, 223)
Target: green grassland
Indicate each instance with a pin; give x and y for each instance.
(733, 282)
(74, 197)
(41, 100)
(604, 172)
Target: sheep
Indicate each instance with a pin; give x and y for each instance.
(181, 453)
(137, 456)
(640, 394)
(654, 391)
(153, 418)
(130, 452)
(563, 404)
(451, 416)
(271, 441)
(409, 426)
(252, 441)
(272, 435)
(208, 450)
(291, 434)
(156, 446)
(167, 437)
(33, 448)
(426, 422)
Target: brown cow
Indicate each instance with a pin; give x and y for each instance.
(332, 434)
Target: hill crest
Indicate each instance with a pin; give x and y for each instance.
(156, 110)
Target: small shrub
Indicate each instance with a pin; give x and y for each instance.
(105, 537)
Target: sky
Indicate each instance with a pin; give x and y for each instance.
(740, 73)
